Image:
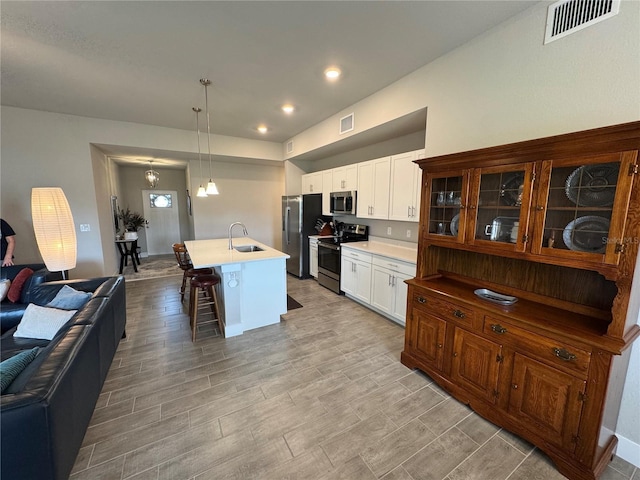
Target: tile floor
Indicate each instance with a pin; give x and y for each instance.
(322, 395)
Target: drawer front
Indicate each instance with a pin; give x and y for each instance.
(356, 255)
(443, 309)
(557, 353)
(395, 265)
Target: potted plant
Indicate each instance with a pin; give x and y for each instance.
(132, 222)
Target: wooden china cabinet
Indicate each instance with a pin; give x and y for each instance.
(553, 222)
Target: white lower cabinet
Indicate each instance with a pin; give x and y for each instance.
(388, 290)
(313, 257)
(377, 281)
(355, 274)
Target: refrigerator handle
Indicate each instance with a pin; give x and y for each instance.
(286, 223)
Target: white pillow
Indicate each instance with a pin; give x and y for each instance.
(42, 322)
(4, 288)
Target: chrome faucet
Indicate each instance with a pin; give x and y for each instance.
(244, 231)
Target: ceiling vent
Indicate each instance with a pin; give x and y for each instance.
(346, 124)
(290, 146)
(568, 16)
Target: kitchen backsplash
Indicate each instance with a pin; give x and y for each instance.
(380, 228)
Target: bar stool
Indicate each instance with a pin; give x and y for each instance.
(184, 262)
(202, 294)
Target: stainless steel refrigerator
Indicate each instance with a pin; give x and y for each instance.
(299, 216)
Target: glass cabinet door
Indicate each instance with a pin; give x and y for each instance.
(499, 206)
(447, 198)
(582, 206)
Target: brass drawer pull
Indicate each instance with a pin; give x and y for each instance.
(422, 300)
(499, 329)
(459, 314)
(563, 354)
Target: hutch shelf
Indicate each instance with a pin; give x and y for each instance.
(553, 222)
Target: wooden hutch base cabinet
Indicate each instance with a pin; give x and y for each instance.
(555, 223)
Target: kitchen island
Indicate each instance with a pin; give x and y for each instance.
(253, 288)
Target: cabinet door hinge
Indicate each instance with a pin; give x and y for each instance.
(634, 169)
(525, 238)
(620, 248)
(582, 397)
(496, 393)
(533, 175)
(575, 439)
(499, 358)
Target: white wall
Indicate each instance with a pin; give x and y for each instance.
(251, 195)
(42, 149)
(506, 86)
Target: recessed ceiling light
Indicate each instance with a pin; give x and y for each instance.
(288, 108)
(262, 128)
(332, 73)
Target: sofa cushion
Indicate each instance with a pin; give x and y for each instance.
(16, 285)
(4, 288)
(42, 322)
(69, 299)
(12, 367)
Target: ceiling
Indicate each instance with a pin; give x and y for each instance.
(141, 61)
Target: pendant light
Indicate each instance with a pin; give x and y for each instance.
(201, 190)
(211, 186)
(152, 176)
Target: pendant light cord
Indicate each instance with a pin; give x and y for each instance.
(206, 83)
(198, 110)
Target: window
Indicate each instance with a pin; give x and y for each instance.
(160, 200)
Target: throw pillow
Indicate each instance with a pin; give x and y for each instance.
(42, 322)
(4, 288)
(16, 285)
(69, 299)
(11, 367)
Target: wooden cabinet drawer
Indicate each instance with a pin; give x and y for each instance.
(444, 309)
(557, 353)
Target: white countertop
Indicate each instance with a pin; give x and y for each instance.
(396, 252)
(213, 252)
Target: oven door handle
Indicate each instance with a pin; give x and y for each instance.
(326, 245)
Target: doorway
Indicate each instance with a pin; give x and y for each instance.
(163, 221)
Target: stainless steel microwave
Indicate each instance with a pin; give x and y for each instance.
(343, 203)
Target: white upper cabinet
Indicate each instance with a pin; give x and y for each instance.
(345, 178)
(327, 184)
(373, 189)
(312, 183)
(404, 203)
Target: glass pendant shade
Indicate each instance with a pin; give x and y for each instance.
(54, 228)
(201, 192)
(211, 188)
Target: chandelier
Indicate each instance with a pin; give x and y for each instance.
(152, 176)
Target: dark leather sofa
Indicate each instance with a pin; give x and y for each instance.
(45, 412)
(11, 313)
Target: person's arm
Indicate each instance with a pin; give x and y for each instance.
(11, 245)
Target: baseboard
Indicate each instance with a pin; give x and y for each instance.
(628, 450)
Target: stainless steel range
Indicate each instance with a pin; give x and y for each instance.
(329, 253)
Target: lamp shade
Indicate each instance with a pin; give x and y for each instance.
(54, 228)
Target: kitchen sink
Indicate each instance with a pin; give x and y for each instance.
(249, 248)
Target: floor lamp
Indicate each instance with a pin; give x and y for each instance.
(54, 229)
